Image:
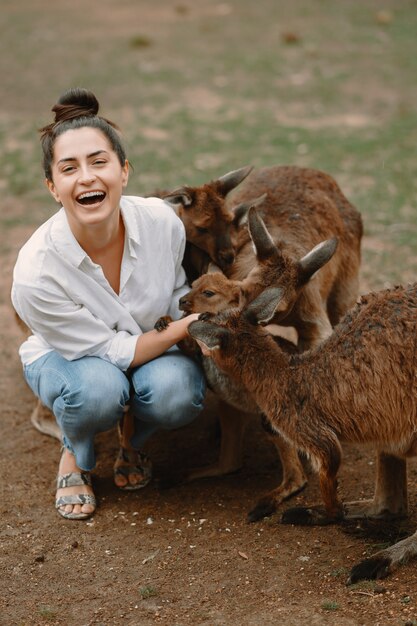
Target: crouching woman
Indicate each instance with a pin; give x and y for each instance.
(90, 284)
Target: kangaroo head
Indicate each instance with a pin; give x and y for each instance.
(212, 292)
(276, 268)
(223, 335)
(209, 225)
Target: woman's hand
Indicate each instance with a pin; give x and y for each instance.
(155, 342)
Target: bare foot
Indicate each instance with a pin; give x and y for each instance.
(68, 465)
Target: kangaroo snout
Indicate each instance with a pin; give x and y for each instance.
(185, 304)
(225, 258)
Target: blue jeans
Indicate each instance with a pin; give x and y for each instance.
(87, 396)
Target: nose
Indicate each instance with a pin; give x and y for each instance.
(225, 257)
(183, 303)
(87, 175)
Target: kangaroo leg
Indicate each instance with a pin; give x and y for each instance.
(293, 480)
(390, 498)
(233, 425)
(385, 561)
(44, 420)
(327, 460)
(126, 428)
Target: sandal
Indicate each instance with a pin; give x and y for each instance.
(131, 462)
(75, 479)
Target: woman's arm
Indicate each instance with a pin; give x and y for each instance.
(153, 343)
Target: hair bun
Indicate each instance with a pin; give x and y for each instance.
(76, 102)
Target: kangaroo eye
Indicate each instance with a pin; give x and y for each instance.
(208, 294)
(201, 230)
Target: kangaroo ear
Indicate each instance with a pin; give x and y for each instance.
(315, 259)
(207, 334)
(262, 240)
(179, 198)
(262, 309)
(241, 210)
(232, 179)
(212, 268)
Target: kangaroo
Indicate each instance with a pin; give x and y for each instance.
(359, 385)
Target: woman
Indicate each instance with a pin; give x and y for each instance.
(90, 284)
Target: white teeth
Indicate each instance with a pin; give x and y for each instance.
(90, 194)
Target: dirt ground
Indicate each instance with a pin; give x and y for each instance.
(184, 555)
(180, 556)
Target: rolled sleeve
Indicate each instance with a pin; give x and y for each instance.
(71, 329)
(122, 350)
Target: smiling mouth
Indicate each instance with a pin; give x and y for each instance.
(91, 197)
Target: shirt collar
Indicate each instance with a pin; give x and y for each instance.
(64, 241)
(66, 244)
(131, 225)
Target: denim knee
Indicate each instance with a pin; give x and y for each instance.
(87, 396)
(96, 405)
(168, 394)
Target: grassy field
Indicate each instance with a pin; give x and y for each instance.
(201, 88)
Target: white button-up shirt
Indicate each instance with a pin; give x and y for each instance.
(66, 301)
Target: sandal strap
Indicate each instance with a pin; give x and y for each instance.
(130, 461)
(78, 498)
(73, 479)
(133, 457)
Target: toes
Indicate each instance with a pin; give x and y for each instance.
(120, 480)
(135, 478)
(76, 509)
(132, 469)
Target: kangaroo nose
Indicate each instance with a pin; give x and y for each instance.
(226, 257)
(183, 303)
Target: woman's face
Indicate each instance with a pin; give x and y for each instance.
(87, 178)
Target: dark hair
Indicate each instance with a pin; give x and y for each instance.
(77, 108)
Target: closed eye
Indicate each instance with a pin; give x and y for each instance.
(201, 230)
(208, 293)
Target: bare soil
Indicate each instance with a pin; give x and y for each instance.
(186, 555)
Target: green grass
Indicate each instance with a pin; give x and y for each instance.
(200, 89)
(47, 613)
(330, 605)
(148, 591)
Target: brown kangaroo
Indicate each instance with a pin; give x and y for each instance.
(359, 385)
(316, 208)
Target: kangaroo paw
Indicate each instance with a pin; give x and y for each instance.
(303, 516)
(369, 569)
(264, 508)
(270, 502)
(162, 323)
